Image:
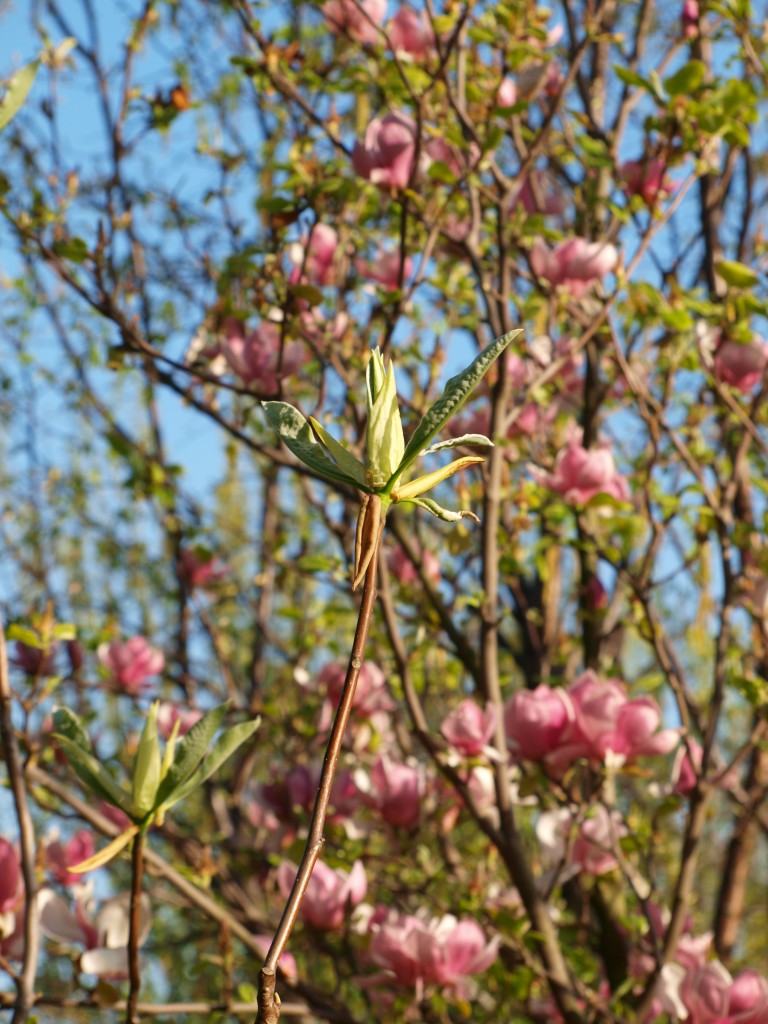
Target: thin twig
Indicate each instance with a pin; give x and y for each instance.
(134, 971)
(25, 983)
(269, 1001)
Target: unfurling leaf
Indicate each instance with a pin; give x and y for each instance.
(424, 483)
(447, 515)
(296, 434)
(104, 856)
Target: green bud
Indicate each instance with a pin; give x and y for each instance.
(385, 442)
(147, 766)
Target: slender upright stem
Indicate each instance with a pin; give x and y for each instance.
(25, 983)
(134, 973)
(269, 1001)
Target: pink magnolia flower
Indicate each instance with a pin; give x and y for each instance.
(329, 893)
(592, 851)
(60, 857)
(687, 769)
(320, 257)
(168, 714)
(11, 881)
(104, 934)
(647, 179)
(742, 366)
(605, 719)
(689, 19)
(255, 357)
(582, 473)
(576, 264)
(385, 269)
(198, 570)
(468, 728)
(748, 998)
(396, 792)
(419, 950)
(356, 18)
(34, 660)
(295, 793)
(405, 571)
(387, 156)
(539, 199)
(371, 695)
(506, 94)
(130, 664)
(535, 721)
(411, 32)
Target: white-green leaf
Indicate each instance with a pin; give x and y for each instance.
(147, 765)
(474, 440)
(384, 442)
(296, 434)
(457, 391)
(224, 747)
(191, 751)
(16, 92)
(344, 459)
(447, 515)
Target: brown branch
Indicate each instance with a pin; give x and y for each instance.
(134, 971)
(269, 1001)
(25, 983)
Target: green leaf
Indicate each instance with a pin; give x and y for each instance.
(686, 80)
(95, 776)
(191, 751)
(296, 434)
(26, 636)
(67, 724)
(344, 459)
(457, 391)
(224, 747)
(16, 93)
(146, 767)
(633, 78)
(475, 440)
(447, 515)
(738, 275)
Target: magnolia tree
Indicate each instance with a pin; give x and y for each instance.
(257, 261)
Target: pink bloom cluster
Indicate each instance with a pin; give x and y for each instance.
(371, 695)
(385, 270)
(168, 714)
(358, 20)
(592, 850)
(255, 356)
(468, 728)
(410, 31)
(404, 570)
(582, 473)
(130, 664)
(419, 951)
(318, 258)
(741, 366)
(395, 791)
(689, 19)
(647, 179)
(11, 902)
(590, 719)
(575, 264)
(387, 155)
(60, 857)
(198, 570)
(330, 892)
(698, 990)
